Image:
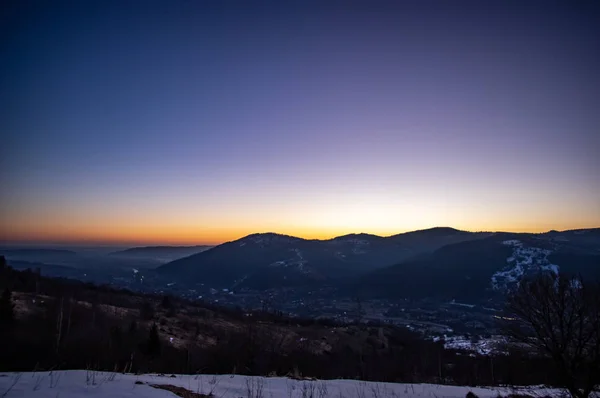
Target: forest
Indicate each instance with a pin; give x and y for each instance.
(49, 323)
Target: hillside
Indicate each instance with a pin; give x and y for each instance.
(262, 261)
(481, 269)
(38, 254)
(63, 324)
(160, 253)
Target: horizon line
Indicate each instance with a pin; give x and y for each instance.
(131, 244)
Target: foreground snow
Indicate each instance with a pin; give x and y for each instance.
(81, 383)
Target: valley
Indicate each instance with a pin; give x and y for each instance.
(437, 282)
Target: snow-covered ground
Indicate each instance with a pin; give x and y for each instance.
(481, 346)
(296, 261)
(81, 383)
(523, 260)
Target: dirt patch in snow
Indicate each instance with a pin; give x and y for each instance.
(180, 391)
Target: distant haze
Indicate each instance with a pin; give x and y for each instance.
(200, 122)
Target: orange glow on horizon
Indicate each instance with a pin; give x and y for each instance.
(348, 130)
(226, 218)
(215, 236)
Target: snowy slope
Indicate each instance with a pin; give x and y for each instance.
(524, 260)
(81, 383)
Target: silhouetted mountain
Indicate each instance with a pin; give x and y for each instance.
(428, 240)
(259, 260)
(46, 269)
(435, 231)
(273, 260)
(484, 268)
(160, 253)
(59, 256)
(36, 252)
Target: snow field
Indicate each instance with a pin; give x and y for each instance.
(82, 383)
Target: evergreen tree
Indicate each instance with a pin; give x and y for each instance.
(7, 308)
(116, 335)
(147, 311)
(166, 302)
(133, 327)
(153, 347)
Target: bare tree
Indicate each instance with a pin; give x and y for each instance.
(59, 324)
(559, 317)
(7, 308)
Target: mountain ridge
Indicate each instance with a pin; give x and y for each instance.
(487, 268)
(271, 260)
(158, 248)
(415, 232)
(163, 254)
(287, 260)
(37, 251)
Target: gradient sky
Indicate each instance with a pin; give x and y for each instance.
(200, 122)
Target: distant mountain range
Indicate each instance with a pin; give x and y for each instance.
(38, 255)
(438, 263)
(109, 262)
(487, 267)
(442, 262)
(39, 252)
(261, 261)
(160, 253)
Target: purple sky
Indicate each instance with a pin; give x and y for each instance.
(176, 122)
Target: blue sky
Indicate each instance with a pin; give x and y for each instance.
(194, 122)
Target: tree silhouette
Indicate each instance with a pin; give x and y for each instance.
(153, 345)
(559, 317)
(146, 311)
(166, 302)
(7, 308)
(133, 327)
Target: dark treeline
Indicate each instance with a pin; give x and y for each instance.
(51, 323)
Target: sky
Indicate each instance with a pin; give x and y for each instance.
(181, 122)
